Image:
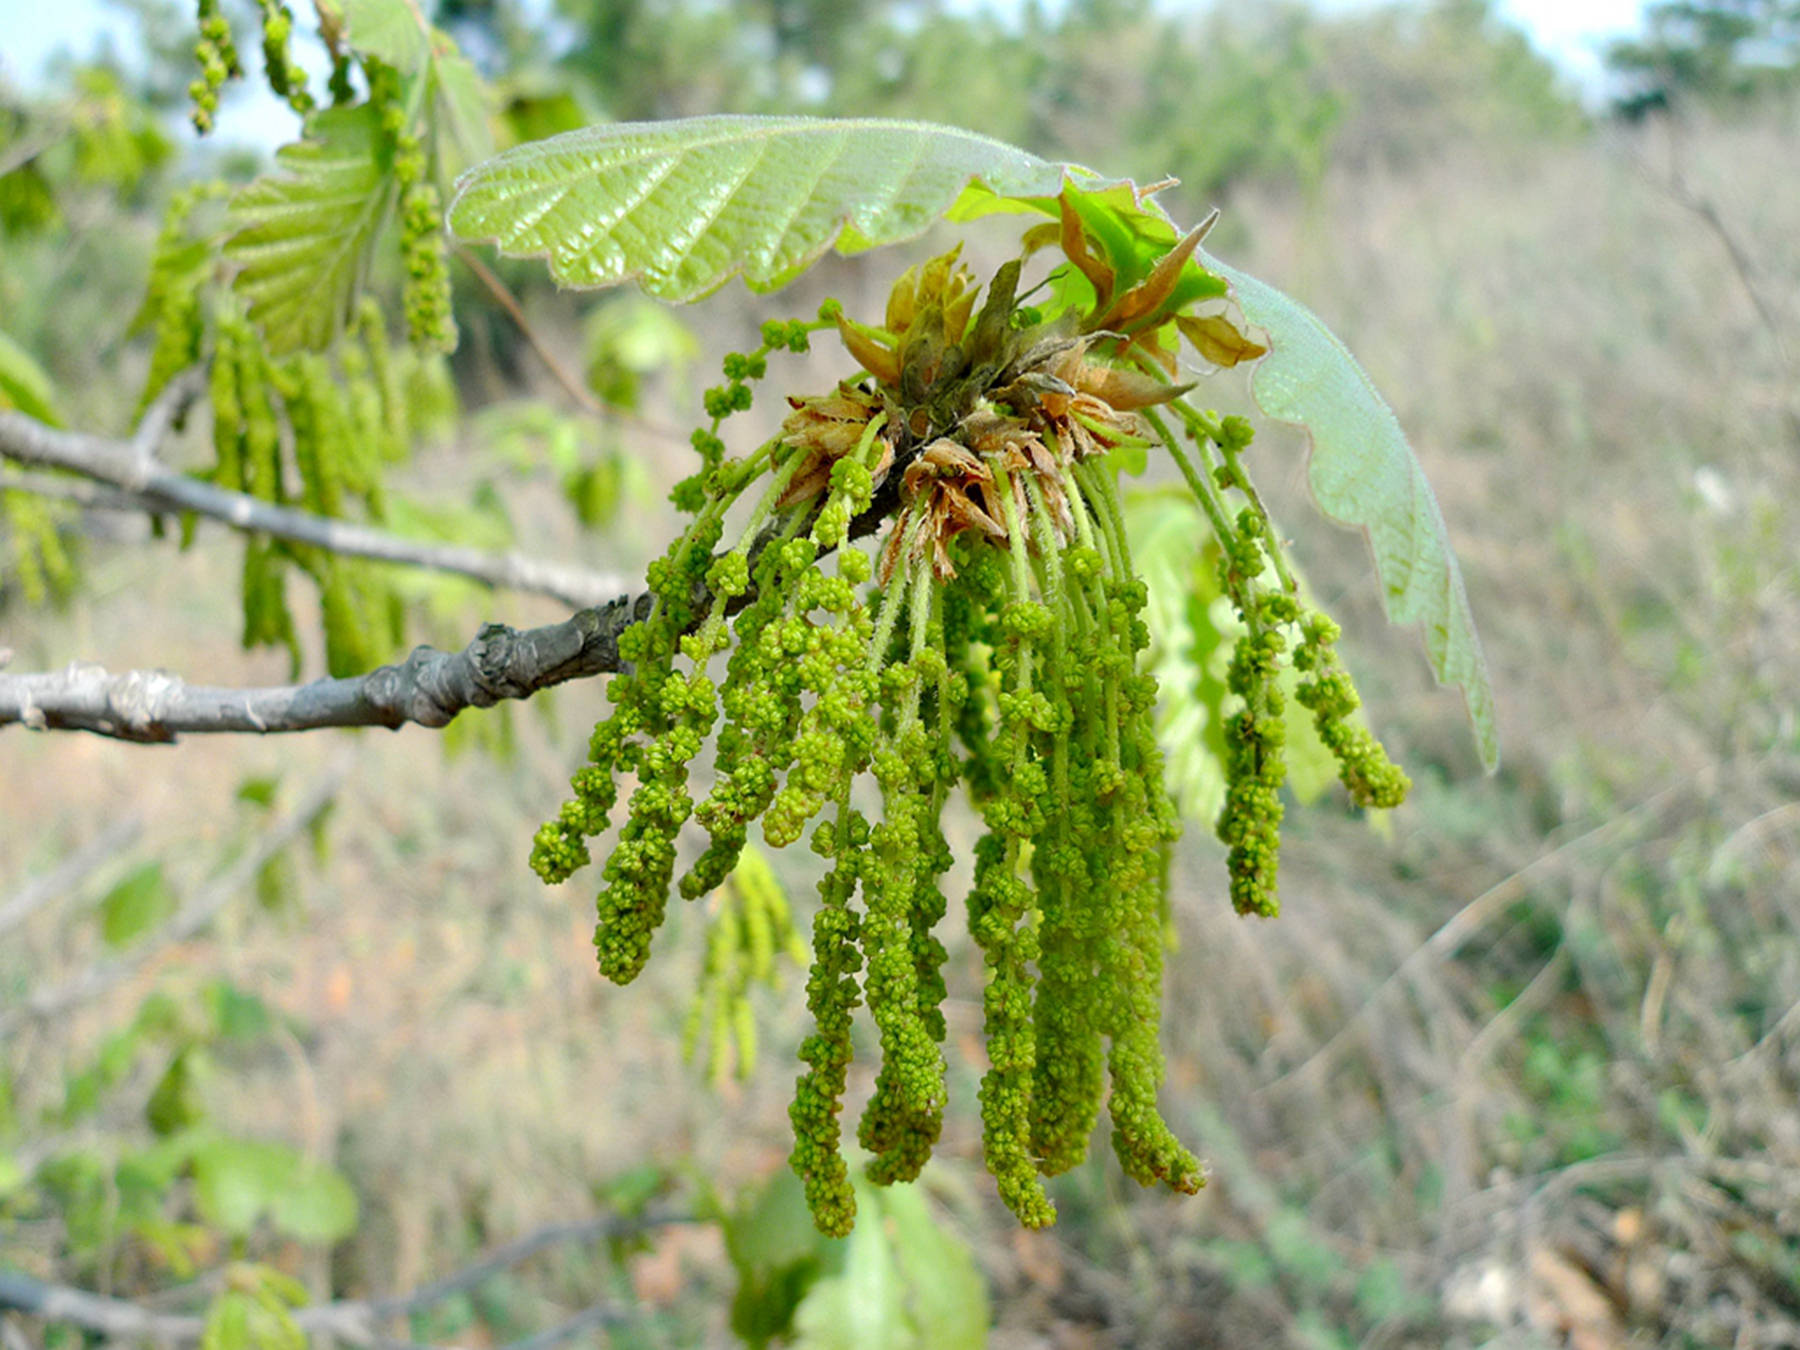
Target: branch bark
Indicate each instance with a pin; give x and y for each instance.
(355, 1321)
(130, 468)
(428, 688)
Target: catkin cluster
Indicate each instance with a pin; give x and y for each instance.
(993, 640)
(315, 430)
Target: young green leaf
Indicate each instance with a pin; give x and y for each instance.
(24, 385)
(237, 1181)
(140, 902)
(397, 33)
(681, 207)
(1363, 472)
(394, 32)
(302, 237)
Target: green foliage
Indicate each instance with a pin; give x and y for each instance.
(139, 902)
(459, 104)
(681, 207)
(253, 1311)
(900, 1281)
(24, 386)
(602, 206)
(192, 1181)
(1721, 51)
(240, 1183)
(629, 340)
(302, 239)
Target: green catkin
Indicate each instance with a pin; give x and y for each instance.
(172, 297)
(1003, 649)
(1143, 824)
(229, 425)
(365, 448)
(681, 710)
(1138, 822)
(424, 247)
(287, 80)
(832, 994)
(762, 713)
(353, 607)
(396, 425)
(250, 461)
(41, 565)
(1325, 690)
(218, 59)
(904, 1118)
(1250, 821)
(750, 930)
(1001, 904)
(1070, 1068)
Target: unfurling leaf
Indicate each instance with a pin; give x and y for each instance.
(396, 32)
(302, 236)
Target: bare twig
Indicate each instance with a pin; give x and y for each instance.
(19, 155)
(429, 687)
(128, 468)
(188, 921)
(514, 311)
(1457, 929)
(579, 1233)
(70, 872)
(563, 376)
(1674, 182)
(356, 1321)
(88, 496)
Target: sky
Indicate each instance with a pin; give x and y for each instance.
(1570, 32)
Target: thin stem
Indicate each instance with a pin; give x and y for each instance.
(921, 599)
(892, 601)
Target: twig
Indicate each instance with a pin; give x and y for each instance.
(353, 1320)
(70, 872)
(513, 1253)
(429, 687)
(564, 377)
(88, 496)
(18, 156)
(123, 465)
(1454, 931)
(600, 1315)
(188, 921)
(514, 311)
(1675, 184)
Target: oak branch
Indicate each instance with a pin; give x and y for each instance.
(428, 688)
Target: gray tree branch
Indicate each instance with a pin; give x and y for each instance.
(70, 872)
(53, 1000)
(429, 687)
(132, 471)
(355, 1321)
